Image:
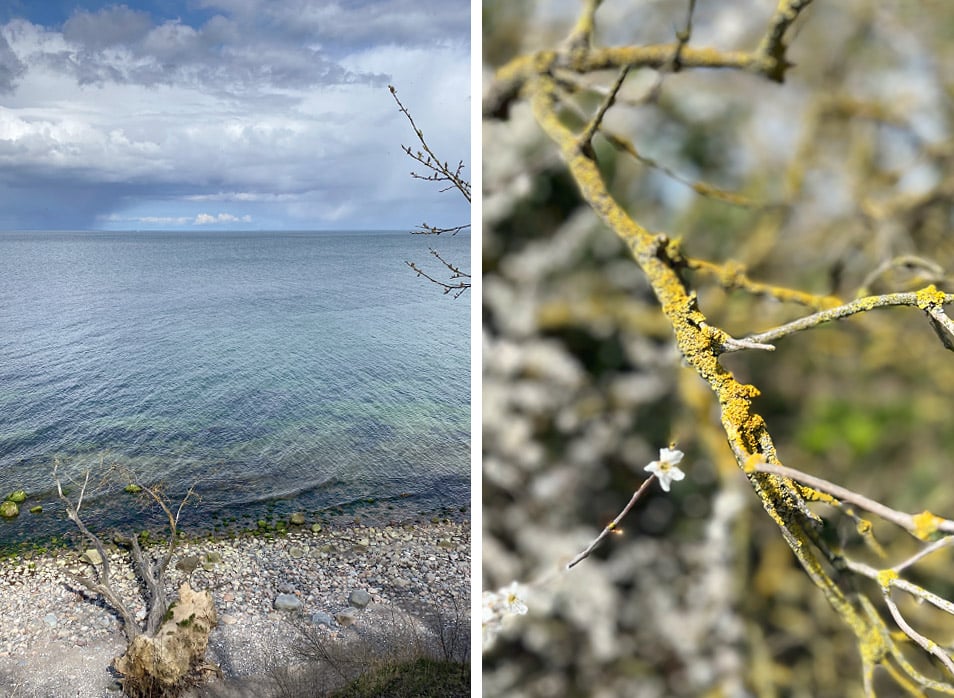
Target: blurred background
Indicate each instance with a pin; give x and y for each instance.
(846, 179)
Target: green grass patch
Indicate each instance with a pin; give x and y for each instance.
(420, 678)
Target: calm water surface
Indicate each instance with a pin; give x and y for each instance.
(279, 370)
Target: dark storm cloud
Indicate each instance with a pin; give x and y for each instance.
(11, 67)
(121, 45)
(399, 21)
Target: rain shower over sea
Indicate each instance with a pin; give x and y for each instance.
(274, 371)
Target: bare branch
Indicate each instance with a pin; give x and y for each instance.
(102, 585)
(921, 525)
(926, 299)
(440, 170)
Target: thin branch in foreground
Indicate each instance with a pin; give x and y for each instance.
(920, 525)
(456, 273)
(426, 229)
(612, 526)
(928, 299)
(441, 171)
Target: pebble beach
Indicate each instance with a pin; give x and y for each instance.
(57, 642)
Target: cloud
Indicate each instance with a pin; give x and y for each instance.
(121, 45)
(110, 26)
(11, 67)
(145, 119)
(356, 22)
(207, 218)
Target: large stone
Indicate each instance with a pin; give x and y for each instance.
(298, 519)
(287, 602)
(359, 598)
(322, 618)
(346, 617)
(92, 556)
(9, 510)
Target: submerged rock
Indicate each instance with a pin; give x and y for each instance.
(187, 563)
(17, 497)
(9, 510)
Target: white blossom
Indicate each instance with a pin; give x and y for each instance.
(495, 606)
(666, 468)
(514, 600)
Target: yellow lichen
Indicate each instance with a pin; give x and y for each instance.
(752, 463)
(885, 577)
(925, 524)
(930, 297)
(810, 494)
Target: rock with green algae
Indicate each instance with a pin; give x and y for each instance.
(132, 488)
(9, 509)
(36, 510)
(17, 497)
(297, 519)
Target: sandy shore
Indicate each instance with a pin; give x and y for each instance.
(55, 642)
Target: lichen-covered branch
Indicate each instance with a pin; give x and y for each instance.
(540, 79)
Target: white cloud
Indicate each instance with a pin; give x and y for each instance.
(210, 219)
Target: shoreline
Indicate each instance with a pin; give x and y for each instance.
(201, 525)
(54, 641)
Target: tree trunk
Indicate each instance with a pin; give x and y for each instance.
(160, 664)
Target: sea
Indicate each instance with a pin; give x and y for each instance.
(268, 372)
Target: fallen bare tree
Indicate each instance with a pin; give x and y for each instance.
(166, 651)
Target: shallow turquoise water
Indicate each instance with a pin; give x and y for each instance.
(310, 367)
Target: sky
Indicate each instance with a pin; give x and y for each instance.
(229, 114)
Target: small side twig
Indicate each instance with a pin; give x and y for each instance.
(927, 645)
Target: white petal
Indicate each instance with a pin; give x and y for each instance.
(670, 455)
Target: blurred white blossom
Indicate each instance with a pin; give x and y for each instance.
(497, 605)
